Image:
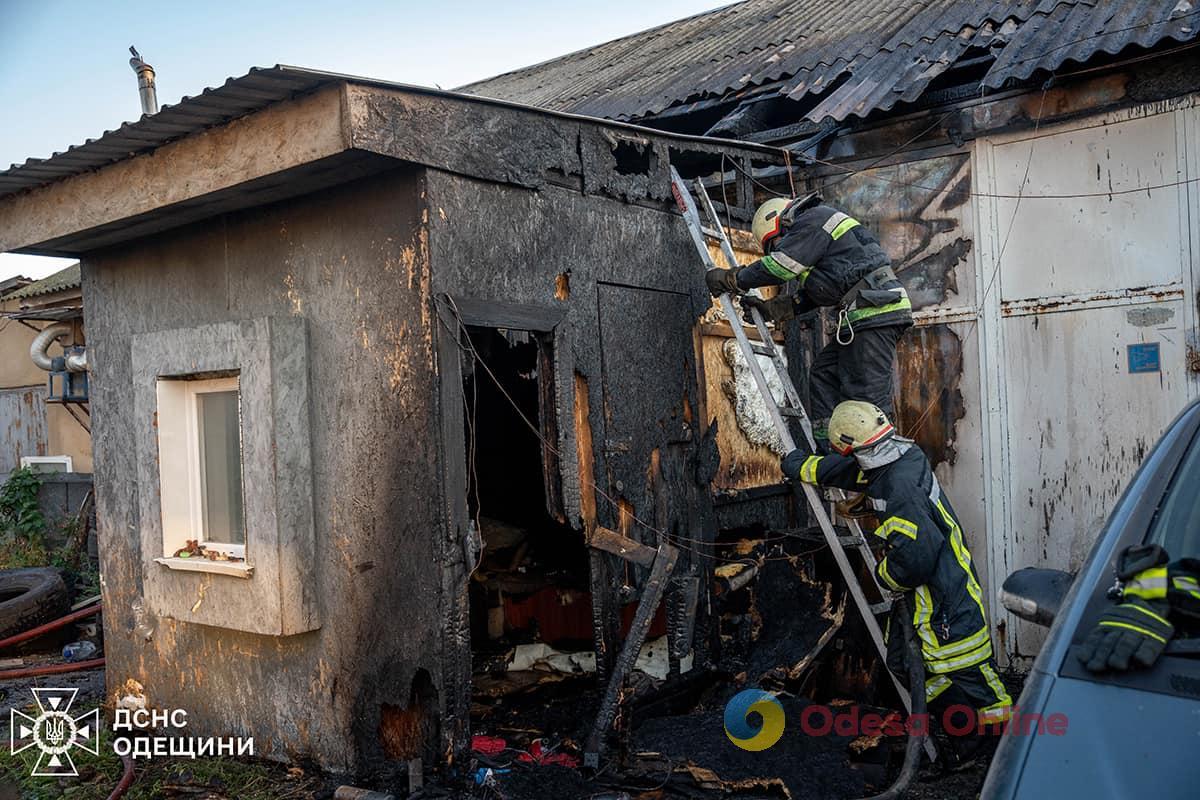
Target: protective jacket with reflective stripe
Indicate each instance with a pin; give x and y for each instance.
(926, 555)
(828, 252)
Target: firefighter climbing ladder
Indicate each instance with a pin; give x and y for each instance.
(790, 407)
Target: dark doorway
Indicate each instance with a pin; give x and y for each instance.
(531, 583)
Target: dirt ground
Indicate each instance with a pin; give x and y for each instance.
(798, 767)
(673, 742)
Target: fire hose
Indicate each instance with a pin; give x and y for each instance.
(126, 779)
(58, 669)
(33, 633)
(916, 686)
(50, 669)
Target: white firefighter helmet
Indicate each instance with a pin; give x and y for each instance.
(768, 221)
(855, 424)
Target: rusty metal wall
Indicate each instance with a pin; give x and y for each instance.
(1090, 324)
(922, 213)
(22, 425)
(1017, 378)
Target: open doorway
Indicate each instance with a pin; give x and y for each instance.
(530, 588)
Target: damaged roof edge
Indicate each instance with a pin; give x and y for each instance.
(262, 87)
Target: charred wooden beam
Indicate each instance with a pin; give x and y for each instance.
(664, 564)
(622, 546)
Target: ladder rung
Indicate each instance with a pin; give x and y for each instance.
(710, 233)
(763, 350)
(881, 608)
(788, 411)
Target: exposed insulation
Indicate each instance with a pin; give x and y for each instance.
(750, 409)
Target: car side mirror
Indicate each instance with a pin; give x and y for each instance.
(1035, 594)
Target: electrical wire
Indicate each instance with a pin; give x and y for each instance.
(1012, 221)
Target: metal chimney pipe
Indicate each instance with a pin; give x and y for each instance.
(145, 74)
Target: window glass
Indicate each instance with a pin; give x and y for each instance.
(1176, 526)
(221, 467)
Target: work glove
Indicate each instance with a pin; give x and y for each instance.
(791, 463)
(720, 281)
(778, 309)
(1183, 587)
(1133, 634)
(1137, 630)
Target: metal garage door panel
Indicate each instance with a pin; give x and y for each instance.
(22, 425)
(1081, 422)
(1090, 244)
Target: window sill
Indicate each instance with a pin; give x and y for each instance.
(236, 569)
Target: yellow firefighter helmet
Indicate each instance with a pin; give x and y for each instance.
(855, 424)
(768, 219)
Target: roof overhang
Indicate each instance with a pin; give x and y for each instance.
(327, 129)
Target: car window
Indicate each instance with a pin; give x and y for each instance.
(1176, 526)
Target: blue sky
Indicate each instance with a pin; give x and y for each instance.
(65, 76)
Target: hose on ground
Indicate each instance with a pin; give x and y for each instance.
(916, 688)
(33, 633)
(50, 669)
(126, 779)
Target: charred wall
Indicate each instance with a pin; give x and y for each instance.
(626, 292)
(352, 262)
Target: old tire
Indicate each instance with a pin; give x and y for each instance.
(30, 597)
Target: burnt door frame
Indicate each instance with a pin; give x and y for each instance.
(459, 547)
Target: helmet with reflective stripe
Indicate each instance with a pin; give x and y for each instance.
(768, 221)
(776, 214)
(855, 424)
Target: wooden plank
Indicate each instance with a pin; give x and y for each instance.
(725, 330)
(498, 314)
(612, 542)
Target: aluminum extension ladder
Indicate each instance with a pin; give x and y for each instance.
(791, 408)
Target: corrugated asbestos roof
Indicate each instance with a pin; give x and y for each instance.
(238, 96)
(875, 53)
(256, 90)
(58, 282)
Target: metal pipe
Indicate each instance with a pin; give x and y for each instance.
(33, 633)
(41, 344)
(146, 87)
(77, 362)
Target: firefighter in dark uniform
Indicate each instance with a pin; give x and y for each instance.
(926, 559)
(836, 263)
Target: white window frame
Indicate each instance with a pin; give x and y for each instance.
(180, 473)
(60, 461)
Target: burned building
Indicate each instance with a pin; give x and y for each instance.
(1031, 168)
(379, 373)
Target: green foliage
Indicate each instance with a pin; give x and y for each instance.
(24, 530)
(19, 511)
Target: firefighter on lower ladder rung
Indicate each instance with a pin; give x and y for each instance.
(838, 263)
(927, 559)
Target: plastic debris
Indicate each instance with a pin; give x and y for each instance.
(79, 651)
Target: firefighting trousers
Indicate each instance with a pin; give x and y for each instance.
(860, 370)
(975, 694)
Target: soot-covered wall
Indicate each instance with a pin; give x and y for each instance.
(625, 285)
(352, 263)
